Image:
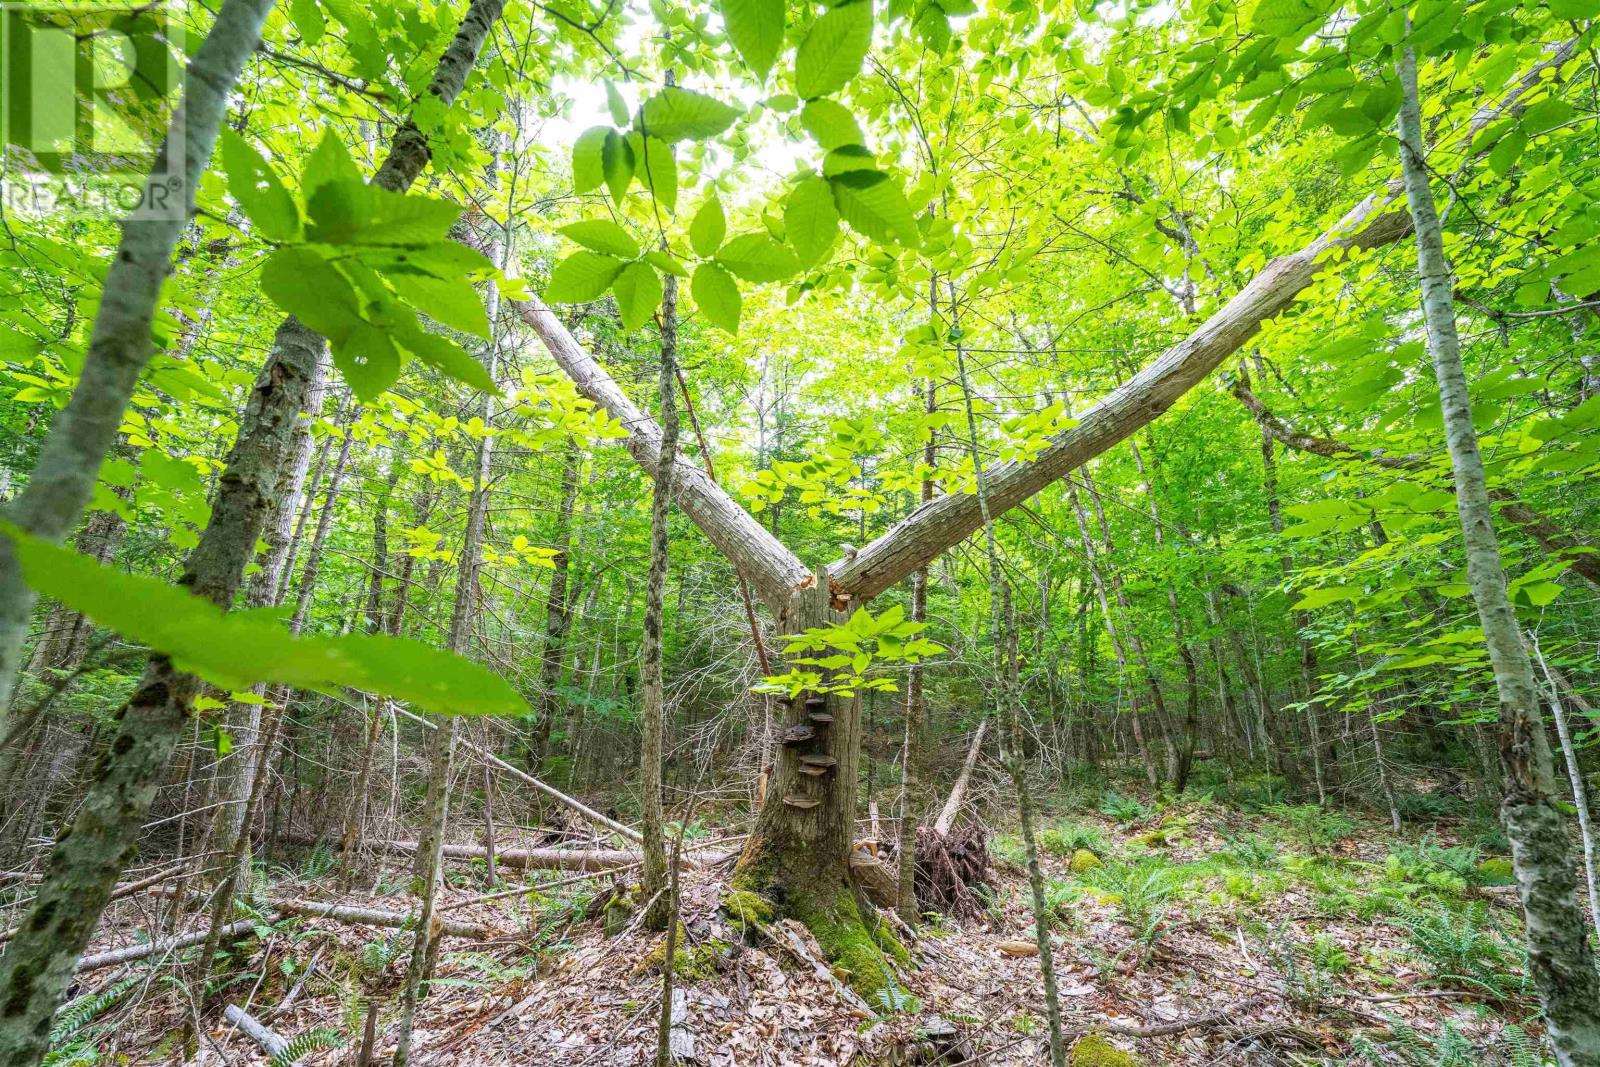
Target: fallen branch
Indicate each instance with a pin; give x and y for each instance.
(548, 790)
(317, 909)
(271, 1042)
(130, 953)
(550, 859)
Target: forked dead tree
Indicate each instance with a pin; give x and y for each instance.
(799, 854)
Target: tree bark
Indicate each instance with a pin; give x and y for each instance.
(1559, 957)
(87, 860)
(653, 718)
(120, 344)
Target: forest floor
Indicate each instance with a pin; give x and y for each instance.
(1189, 933)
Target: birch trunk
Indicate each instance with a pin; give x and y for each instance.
(1559, 957)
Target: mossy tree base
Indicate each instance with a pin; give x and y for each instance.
(859, 945)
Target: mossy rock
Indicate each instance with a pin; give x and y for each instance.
(1496, 870)
(1156, 838)
(1084, 860)
(1093, 1050)
(749, 912)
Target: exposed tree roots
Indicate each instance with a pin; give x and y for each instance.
(949, 867)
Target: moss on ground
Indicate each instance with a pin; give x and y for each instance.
(1083, 860)
(748, 911)
(1093, 1050)
(693, 963)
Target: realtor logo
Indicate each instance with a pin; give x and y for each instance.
(87, 94)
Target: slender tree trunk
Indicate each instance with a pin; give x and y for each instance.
(1558, 948)
(1580, 794)
(906, 848)
(653, 719)
(1002, 632)
(442, 741)
(88, 859)
(1183, 762)
(557, 613)
(120, 344)
(1113, 631)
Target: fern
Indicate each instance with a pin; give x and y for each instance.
(305, 1044)
(79, 1013)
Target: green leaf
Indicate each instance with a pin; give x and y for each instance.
(617, 161)
(453, 302)
(237, 650)
(638, 291)
(655, 168)
(368, 359)
(1546, 115)
(708, 229)
(811, 220)
(256, 187)
(847, 158)
(307, 18)
(756, 29)
(313, 290)
(755, 257)
(581, 277)
(675, 114)
(666, 263)
(717, 295)
(830, 124)
(1575, 10)
(618, 106)
(329, 164)
(443, 355)
(603, 235)
(874, 206)
(834, 49)
(588, 160)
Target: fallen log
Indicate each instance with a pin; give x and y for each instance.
(317, 909)
(272, 1043)
(958, 792)
(552, 859)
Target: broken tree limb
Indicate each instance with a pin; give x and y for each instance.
(317, 909)
(948, 520)
(958, 792)
(271, 1042)
(775, 571)
(548, 790)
